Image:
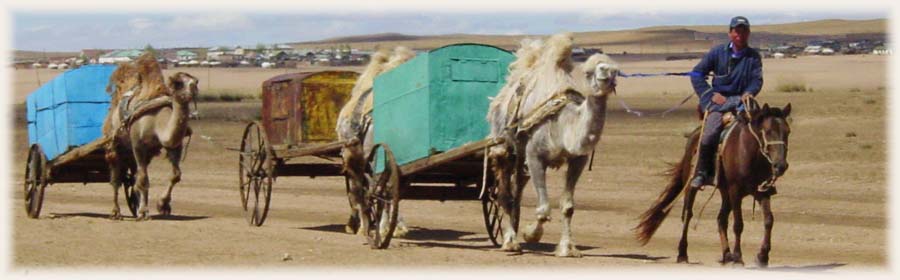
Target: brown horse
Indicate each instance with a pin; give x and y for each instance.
(754, 156)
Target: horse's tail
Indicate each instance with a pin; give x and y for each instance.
(653, 217)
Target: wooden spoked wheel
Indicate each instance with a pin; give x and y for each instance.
(132, 197)
(35, 181)
(256, 171)
(382, 197)
(493, 216)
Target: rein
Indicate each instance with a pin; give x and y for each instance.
(764, 144)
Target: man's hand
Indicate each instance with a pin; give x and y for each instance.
(718, 98)
(746, 97)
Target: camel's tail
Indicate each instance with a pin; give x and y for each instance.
(653, 217)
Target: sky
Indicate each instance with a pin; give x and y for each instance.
(61, 30)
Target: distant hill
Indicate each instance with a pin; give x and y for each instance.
(659, 39)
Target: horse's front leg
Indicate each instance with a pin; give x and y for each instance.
(762, 259)
(723, 227)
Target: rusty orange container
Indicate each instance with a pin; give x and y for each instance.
(301, 108)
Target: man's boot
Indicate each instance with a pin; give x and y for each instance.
(705, 164)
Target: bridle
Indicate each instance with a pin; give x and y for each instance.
(764, 144)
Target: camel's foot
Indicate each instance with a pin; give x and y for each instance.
(401, 231)
(143, 216)
(567, 250)
(352, 225)
(511, 246)
(164, 207)
(682, 259)
(116, 215)
(533, 233)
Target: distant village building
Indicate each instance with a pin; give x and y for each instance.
(120, 56)
(184, 55)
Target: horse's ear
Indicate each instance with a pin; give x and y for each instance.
(787, 110)
(765, 107)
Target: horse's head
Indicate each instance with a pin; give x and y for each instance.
(601, 72)
(185, 88)
(773, 128)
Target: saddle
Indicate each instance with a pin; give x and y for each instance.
(729, 122)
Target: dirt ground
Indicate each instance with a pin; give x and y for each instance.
(830, 213)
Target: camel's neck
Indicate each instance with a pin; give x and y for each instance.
(593, 114)
(583, 131)
(176, 126)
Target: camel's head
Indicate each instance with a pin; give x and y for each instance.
(601, 71)
(185, 88)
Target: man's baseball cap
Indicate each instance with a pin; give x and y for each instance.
(738, 21)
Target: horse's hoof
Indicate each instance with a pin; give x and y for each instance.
(567, 251)
(682, 259)
(726, 258)
(533, 233)
(762, 261)
(738, 263)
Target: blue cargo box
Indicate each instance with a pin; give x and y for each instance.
(69, 110)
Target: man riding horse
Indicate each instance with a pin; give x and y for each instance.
(737, 76)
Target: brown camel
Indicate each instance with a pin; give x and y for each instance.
(161, 123)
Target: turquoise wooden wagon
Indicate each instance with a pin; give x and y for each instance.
(430, 112)
(65, 117)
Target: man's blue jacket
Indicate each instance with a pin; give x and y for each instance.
(732, 76)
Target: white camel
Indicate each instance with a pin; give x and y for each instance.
(549, 137)
(354, 124)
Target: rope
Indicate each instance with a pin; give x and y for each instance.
(214, 143)
(662, 114)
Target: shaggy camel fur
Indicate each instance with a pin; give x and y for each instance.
(354, 125)
(544, 71)
(144, 137)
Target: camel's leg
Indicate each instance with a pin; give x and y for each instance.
(566, 247)
(722, 219)
(762, 259)
(538, 172)
(164, 205)
(506, 198)
(115, 179)
(142, 184)
(738, 227)
(688, 214)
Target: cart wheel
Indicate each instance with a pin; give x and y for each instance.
(493, 216)
(382, 198)
(132, 198)
(255, 171)
(35, 181)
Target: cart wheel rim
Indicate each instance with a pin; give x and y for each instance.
(255, 182)
(382, 199)
(493, 216)
(34, 184)
(132, 197)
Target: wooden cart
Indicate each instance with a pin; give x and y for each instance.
(64, 118)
